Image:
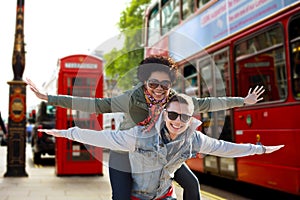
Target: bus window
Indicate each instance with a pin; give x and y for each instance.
(214, 81)
(205, 80)
(154, 26)
(221, 76)
(187, 8)
(260, 60)
(294, 38)
(201, 3)
(191, 80)
(221, 73)
(206, 85)
(170, 15)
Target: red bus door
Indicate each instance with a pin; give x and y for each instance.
(258, 71)
(79, 75)
(253, 124)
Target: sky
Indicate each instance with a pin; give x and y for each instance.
(52, 30)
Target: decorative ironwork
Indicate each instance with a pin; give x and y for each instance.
(18, 59)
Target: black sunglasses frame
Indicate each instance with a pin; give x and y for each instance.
(153, 84)
(174, 115)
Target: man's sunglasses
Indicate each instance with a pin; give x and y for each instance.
(173, 115)
(153, 83)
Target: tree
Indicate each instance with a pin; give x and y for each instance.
(121, 64)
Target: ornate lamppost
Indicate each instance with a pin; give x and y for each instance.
(17, 103)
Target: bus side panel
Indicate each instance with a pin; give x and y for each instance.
(160, 48)
(278, 170)
(276, 177)
(195, 164)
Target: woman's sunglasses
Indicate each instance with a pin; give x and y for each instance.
(153, 83)
(173, 115)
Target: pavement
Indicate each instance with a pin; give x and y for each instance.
(43, 184)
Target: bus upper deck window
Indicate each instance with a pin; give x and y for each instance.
(154, 26)
(187, 8)
(170, 15)
(201, 3)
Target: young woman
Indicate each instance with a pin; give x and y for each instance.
(140, 106)
(156, 154)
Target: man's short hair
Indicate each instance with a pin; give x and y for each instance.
(182, 98)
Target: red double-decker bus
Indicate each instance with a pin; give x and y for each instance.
(224, 48)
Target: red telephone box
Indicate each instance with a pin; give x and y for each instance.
(79, 75)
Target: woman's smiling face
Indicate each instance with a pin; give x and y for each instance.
(159, 92)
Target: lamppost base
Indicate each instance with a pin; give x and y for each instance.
(15, 172)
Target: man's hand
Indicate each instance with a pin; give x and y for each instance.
(54, 132)
(270, 149)
(34, 89)
(253, 96)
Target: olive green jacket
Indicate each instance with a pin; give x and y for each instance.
(133, 104)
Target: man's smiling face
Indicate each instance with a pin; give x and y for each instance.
(181, 122)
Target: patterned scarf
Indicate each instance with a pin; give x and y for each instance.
(155, 108)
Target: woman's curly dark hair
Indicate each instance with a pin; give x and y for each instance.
(165, 64)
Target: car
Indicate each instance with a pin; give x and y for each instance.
(112, 121)
(42, 143)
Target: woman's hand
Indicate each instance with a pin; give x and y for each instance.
(270, 149)
(253, 96)
(54, 132)
(36, 91)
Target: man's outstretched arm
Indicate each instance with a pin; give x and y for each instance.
(115, 140)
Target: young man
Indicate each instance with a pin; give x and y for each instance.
(156, 154)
